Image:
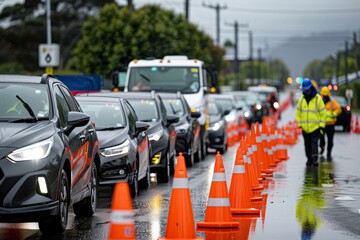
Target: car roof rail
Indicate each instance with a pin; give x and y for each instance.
(45, 77)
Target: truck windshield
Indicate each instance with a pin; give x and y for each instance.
(169, 79)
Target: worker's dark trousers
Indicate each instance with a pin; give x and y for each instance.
(311, 145)
(329, 131)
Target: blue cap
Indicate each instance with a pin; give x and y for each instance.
(306, 84)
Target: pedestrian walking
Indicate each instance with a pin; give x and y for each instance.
(311, 118)
(333, 109)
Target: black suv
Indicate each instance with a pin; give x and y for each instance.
(187, 129)
(125, 147)
(49, 153)
(150, 108)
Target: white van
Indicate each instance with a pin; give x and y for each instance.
(173, 74)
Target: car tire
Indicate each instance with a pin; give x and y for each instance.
(164, 175)
(134, 186)
(87, 206)
(190, 159)
(173, 164)
(145, 182)
(57, 224)
(199, 154)
(203, 147)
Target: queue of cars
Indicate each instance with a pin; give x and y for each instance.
(56, 149)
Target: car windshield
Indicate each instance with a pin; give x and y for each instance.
(226, 104)
(105, 115)
(174, 106)
(145, 109)
(24, 101)
(213, 109)
(183, 79)
(341, 100)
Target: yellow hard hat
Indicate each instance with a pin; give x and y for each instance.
(325, 91)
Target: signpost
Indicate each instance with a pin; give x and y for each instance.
(49, 56)
(349, 95)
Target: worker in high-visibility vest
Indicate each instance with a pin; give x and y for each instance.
(311, 118)
(333, 109)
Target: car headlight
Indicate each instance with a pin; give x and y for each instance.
(35, 151)
(276, 105)
(230, 118)
(246, 114)
(258, 106)
(117, 150)
(216, 126)
(156, 136)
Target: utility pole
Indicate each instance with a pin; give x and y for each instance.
(237, 26)
(356, 55)
(260, 64)
(251, 63)
(337, 66)
(346, 62)
(217, 8)
(187, 9)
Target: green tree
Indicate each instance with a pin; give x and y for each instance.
(115, 37)
(25, 28)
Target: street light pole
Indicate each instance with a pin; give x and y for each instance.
(48, 21)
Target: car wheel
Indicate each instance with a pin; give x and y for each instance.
(164, 176)
(134, 186)
(57, 224)
(87, 206)
(145, 182)
(198, 155)
(190, 159)
(203, 147)
(173, 163)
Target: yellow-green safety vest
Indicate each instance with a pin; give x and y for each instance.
(311, 116)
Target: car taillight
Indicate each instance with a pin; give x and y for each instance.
(348, 108)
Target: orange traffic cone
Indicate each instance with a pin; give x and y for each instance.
(180, 224)
(122, 224)
(240, 189)
(357, 128)
(282, 150)
(260, 151)
(218, 214)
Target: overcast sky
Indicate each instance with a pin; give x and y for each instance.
(272, 22)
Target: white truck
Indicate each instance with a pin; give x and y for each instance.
(173, 74)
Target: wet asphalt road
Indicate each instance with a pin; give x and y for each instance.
(301, 202)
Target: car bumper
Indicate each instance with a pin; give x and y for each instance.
(115, 169)
(216, 138)
(29, 213)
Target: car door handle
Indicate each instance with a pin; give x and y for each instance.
(91, 130)
(82, 137)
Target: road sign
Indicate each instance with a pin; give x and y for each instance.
(49, 55)
(349, 93)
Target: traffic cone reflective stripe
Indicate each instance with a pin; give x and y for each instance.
(122, 225)
(218, 214)
(180, 223)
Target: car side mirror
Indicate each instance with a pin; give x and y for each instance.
(76, 119)
(226, 112)
(171, 119)
(195, 114)
(140, 127)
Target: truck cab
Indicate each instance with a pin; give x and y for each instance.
(173, 74)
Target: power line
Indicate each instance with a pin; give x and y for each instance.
(217, 8)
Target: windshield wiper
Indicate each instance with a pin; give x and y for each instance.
(109, 128)
(28, 108)
(145, 77)
(27, 120)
